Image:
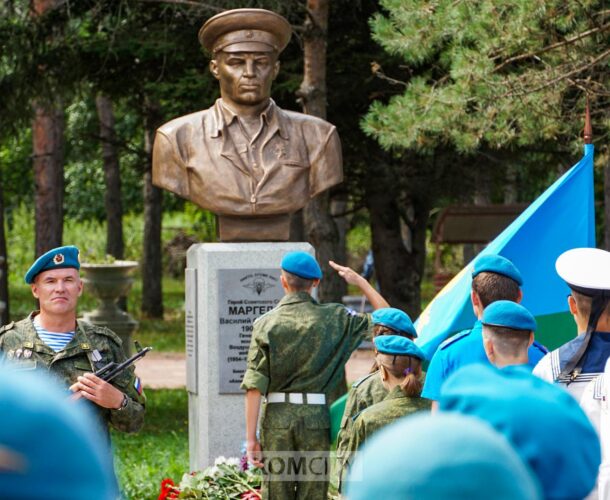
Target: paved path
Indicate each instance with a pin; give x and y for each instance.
(167, 370)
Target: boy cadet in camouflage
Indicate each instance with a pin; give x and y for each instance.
(369, 389)
(297, 357)
(53, 340)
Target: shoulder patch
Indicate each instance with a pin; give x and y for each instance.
(7, 327)
(362, 379)
(455, 338)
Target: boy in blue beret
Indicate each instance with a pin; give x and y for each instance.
(369, 389)
(508, 331)
(444, 456)
(493, 278)
(53, 340)
(400, 371)
(297, 358)
(544, 424)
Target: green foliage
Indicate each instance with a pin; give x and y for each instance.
(159, 450)
(490, 74)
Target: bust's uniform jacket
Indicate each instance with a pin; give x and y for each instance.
(76, 360)
(195, 157)
(300, 346)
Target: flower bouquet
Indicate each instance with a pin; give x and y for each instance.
(228, 478)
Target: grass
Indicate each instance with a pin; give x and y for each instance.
(159, 450)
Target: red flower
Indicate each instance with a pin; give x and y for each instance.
(169, 491)
(251, 495)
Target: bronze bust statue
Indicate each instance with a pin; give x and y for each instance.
(245, 159)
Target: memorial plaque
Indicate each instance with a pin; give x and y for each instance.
(243, 296)
(190, 328)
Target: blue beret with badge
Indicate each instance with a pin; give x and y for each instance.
(397, 346)
(508, 314)
(498, 265)
(394, 319)
(57, 258)
(301, 264)
(543, 422)
(440, 456)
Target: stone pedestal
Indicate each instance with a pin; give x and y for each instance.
(228, 285)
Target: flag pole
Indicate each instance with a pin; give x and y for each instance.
(588, 132)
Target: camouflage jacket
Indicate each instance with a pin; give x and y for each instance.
(395, 405)
(24, 350)
(365, 392)
(302, 346)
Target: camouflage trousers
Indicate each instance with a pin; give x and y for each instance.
(295, 441)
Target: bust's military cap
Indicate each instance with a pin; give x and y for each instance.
(498, 265)
(508, 314)
(394, 319)
(301, 264)
(245, 30)
(57, 258)
(397, 346)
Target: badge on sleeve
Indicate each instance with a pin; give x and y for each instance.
(138, 385)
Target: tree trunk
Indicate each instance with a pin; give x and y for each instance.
(152, 270)
(112, 178)
(399, 270)
(4, 308)
(319, 224)
(47, 141)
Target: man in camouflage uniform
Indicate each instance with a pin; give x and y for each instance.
(397, 403)
(55, 282)
(297, 357)
(369, 389)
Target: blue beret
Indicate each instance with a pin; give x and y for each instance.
(58, 258)
(498, 265)
(395, 319)
(508, 314)
(543, 422)
(37, 424)
(440, 456)
(302, 265)
(397, 345)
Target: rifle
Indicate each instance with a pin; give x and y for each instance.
(112, 369)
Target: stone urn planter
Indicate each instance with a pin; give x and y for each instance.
(108, 282)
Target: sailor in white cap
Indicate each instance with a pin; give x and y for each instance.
(582, 359)
(578, 365)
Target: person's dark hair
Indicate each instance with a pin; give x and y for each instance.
(386, 330)
(491, 287)
(296, 283)
(507, 341)
(407, 368)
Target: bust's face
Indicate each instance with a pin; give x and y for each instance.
(245, 77)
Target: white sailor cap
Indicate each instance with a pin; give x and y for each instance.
(585, 270)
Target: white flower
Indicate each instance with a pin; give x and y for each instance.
(220, 460)
(233, 461)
